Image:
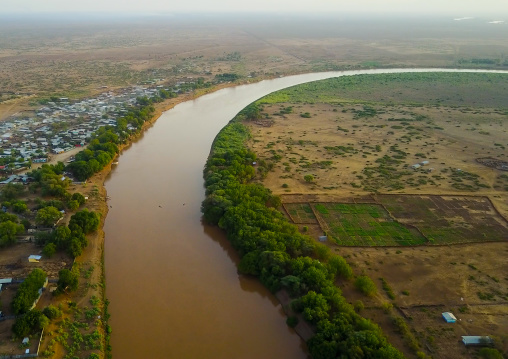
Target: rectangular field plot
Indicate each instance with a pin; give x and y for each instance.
(301, 213)
(448, 219)
(364, 225)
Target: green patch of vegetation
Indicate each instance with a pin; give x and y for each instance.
(301, 213)
(446, 220)
(403, 88)
(365, 285)
(387, 288)
(365, 225)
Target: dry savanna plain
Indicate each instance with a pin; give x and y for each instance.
(358, 141)
(387, 167)
(77, 57)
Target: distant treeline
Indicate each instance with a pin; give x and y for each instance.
(275, 251)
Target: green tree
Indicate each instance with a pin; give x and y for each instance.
(338, 266)
(12, 191)
(8, 232)
(79, 198)
(29, 323)
(61, 237)
(87, 220)
(28, 291)
(313, 306)
(20, 207)
(47, 216)
(73, 205)
(67, 280)
(49, 250)
(4, 217)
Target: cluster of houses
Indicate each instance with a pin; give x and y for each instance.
(60, 126)
(421, 164)
(469, 340)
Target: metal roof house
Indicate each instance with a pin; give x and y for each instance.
(34, 258)
(449, 317)
(477, 340)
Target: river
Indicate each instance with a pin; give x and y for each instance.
(172, 281)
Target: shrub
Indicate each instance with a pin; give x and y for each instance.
(366, 285)
(490, 353)
(308, 178)
(52, 312)
(359, 306)
(340, 267)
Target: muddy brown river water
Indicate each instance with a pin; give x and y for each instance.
(171, 280)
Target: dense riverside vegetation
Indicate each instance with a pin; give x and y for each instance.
(273, 250)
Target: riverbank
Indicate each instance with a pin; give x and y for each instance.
(95, 189)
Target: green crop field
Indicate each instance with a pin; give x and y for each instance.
(365, 225)
(301, 213)
(405, 220)
(448, 219)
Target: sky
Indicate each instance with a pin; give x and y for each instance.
(452, 7)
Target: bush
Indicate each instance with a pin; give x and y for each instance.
(359, 306)
(366, 285)
(52, 312)
(490, 353)
(338, 266)
(322, 251)
(387, 307)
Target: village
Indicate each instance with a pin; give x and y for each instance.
(59, 126)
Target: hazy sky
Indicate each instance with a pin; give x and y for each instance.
(452, 7)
